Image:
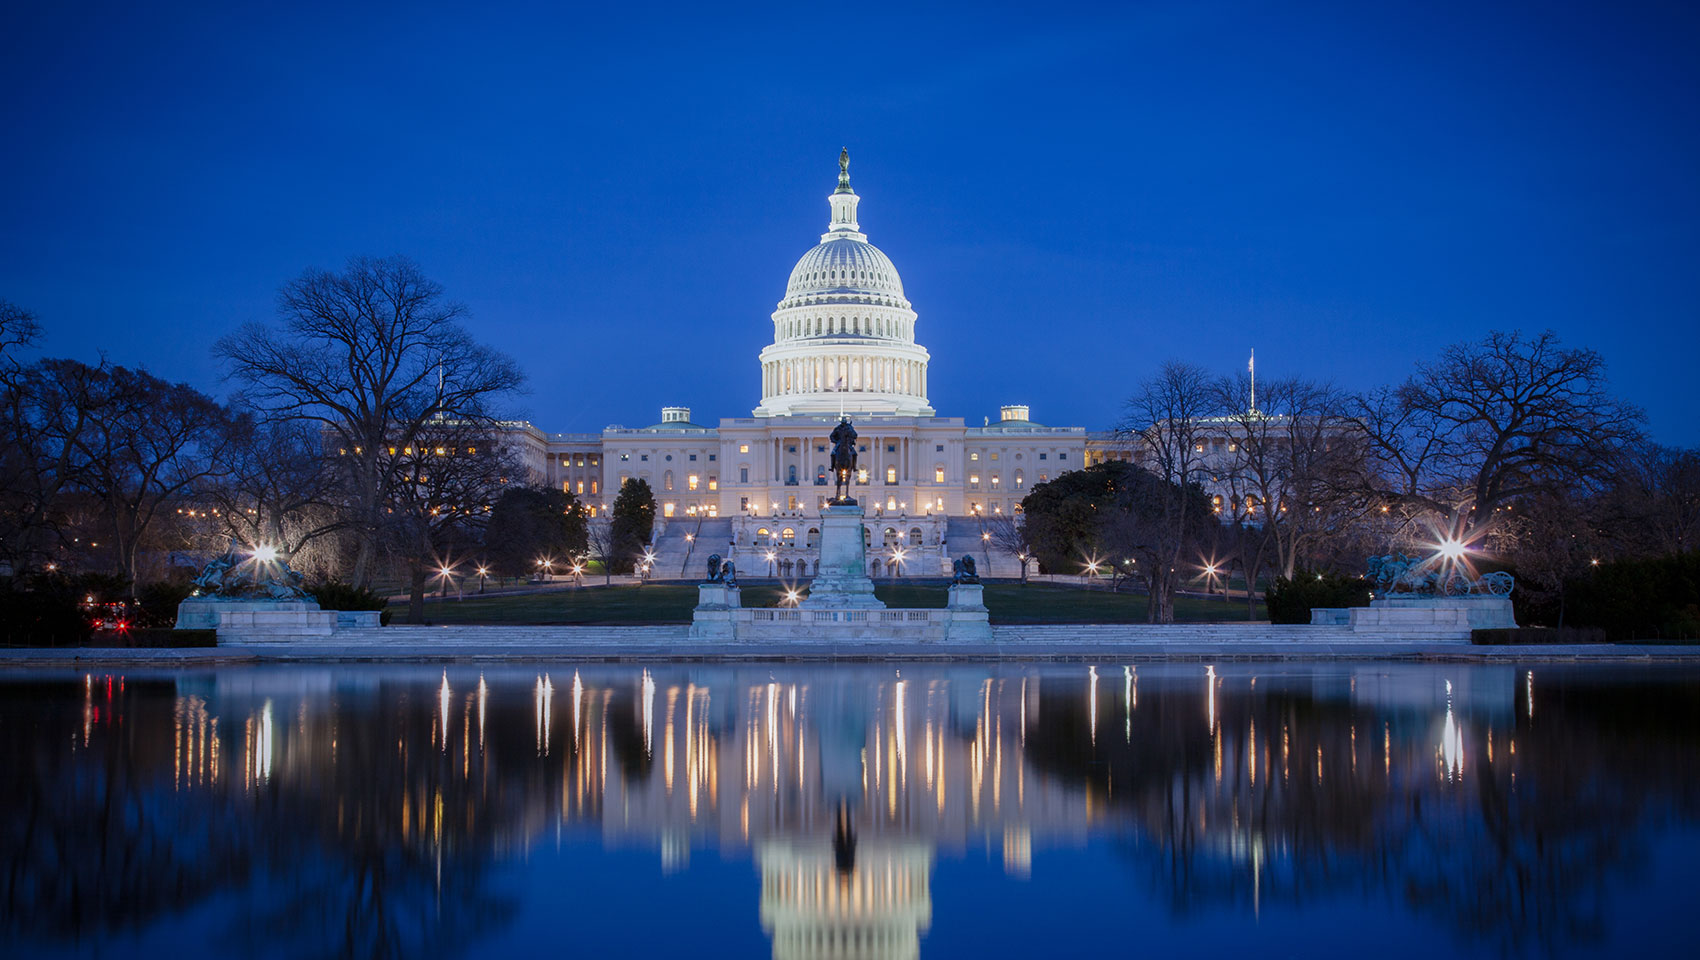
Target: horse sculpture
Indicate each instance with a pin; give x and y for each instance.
(843, 461)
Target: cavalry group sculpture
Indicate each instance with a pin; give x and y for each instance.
(235, 576)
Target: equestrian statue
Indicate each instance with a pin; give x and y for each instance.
(843, 462)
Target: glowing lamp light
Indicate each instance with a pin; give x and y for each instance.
(1451, 549)
(265, 554)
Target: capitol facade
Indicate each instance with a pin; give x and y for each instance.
(844, 342)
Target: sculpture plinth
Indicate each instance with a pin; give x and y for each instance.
(843, 582)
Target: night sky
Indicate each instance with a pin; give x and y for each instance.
(1071, 194)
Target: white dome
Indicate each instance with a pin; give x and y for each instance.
(844, 336)
(845, 266)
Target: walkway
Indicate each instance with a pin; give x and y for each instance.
(1096, 642)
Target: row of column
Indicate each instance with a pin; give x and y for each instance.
(874, 461)
(862, 374)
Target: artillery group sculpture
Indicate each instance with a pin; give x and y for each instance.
(1398, 575)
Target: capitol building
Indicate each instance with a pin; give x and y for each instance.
(844, 342)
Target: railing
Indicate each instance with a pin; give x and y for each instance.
(841, 616)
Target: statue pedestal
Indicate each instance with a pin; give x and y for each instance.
(717, 610)
(260, 621)
(967, 596)
(718, 596)
(969, 620)
(843, 582)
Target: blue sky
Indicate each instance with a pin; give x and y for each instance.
(1072, 193)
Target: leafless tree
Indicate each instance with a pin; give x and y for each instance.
(1653, 505)
(18, 328)
(284, 489)
(374, 354)
(49, 408)
(150, 444)
(1007, 534)
(1165, 423)
(603, 545)
(1492, 422)
(449, 479)
(1287, 471)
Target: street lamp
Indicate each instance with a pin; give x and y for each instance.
(770, 558)
(483, 571)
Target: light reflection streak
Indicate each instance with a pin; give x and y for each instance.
(1127, 699)
(1092, 700)
(483, 697)
(1451, 742)
(648, 687)
(1210, 695)
(443, 709)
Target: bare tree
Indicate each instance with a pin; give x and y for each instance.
(49, 409)
(150, 443)
(604, 545)
(283, 490)
(373, 354)
(1492, 422)
(450, 478)
(1007, 534)
(1288, 471)
(18, 328)
(1165, 423)
(1653, 505)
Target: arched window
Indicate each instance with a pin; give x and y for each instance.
(788, 536)
(667, 479)
(891, 537)
(761, 537)
(812, 537)
(914, 536)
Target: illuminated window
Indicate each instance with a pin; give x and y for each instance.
(594, 487)
(581, 486)
(667, 509)
(743, 448)
(973, 456)
(994, 480)
(862, 475)
(938, 474)
(890, 476)
(691, 481)
(994, 456)
(974, 481)
(1019, 480)
(714, 483)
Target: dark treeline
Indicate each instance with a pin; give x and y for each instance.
(1512, 447)
(361, 440)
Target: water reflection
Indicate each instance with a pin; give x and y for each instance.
(369, 811)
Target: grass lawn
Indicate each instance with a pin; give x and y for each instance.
(672, 603)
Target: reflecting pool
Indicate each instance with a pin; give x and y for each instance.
(972, 810)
